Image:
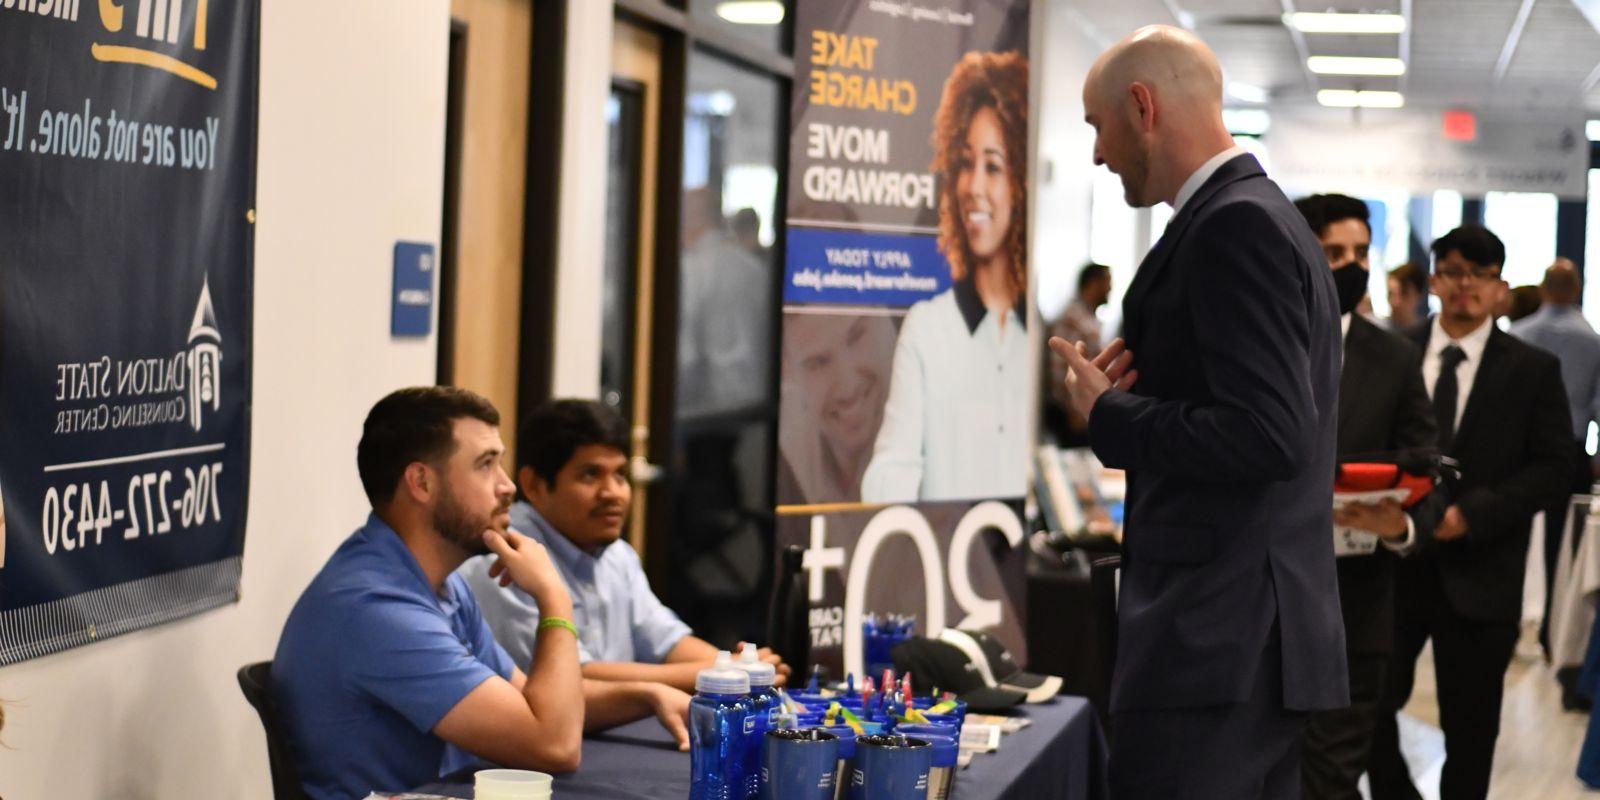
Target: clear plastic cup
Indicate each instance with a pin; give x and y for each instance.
(510, 784)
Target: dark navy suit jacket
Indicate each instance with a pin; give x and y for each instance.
(1228, 440)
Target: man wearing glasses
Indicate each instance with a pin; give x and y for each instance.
(1501, 414)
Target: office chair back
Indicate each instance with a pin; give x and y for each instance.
(255, 680)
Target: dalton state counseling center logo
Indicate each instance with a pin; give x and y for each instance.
(180, 388)
(205, 358)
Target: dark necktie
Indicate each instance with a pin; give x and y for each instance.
(1445, 391)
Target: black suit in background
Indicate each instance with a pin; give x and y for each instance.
(1228, 612)
(1384, 415)
(1513, 444)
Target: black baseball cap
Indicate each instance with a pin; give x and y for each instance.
(998, 668)
(936, 664)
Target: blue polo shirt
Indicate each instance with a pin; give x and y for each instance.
(370, 661)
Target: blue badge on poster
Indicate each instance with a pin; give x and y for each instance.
(413, 289)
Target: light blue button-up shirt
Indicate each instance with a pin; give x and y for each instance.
(1562, 330)
(619, 619)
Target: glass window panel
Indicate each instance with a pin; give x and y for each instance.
(726, 406)
(1526, 223)
(624, 112)
(1446, 213)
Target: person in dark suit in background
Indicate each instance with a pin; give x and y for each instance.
(1462, 587)
(1384, 415)
(1228, 615)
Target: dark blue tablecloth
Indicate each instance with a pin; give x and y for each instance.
(1061, 755)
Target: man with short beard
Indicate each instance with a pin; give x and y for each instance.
(572, 467)
(1228, 626)
(386, 675)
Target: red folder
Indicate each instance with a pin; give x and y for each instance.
(1357, 477)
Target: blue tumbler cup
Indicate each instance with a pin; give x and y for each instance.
(799, 764)
(891, 767)
(847, 760)
(946, 752)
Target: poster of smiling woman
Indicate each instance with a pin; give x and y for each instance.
(907, 221)
(906, 388)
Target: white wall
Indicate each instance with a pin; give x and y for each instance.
(351, 159)
(1065, 161)
(580, 262)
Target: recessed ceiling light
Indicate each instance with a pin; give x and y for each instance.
(1592, 128)
(1349, 98)
(1351, 65)
(1247, 92)
(1346, 23)
(751, 12)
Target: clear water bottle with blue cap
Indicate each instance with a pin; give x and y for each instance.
(719, 727)
(763, 712)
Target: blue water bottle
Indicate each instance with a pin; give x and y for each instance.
(719, 725)
(763, 714)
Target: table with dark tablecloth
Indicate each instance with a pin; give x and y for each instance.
(1060, 755)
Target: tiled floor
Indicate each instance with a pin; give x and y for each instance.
(1538, 748)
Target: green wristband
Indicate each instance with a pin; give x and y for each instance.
(558, 622)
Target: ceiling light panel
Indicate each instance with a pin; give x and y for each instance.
(1350, 98)
(1362, 24)
(1353, 65)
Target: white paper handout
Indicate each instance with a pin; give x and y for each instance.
(1355, 541)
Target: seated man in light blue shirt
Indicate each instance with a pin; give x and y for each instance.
(572, 467)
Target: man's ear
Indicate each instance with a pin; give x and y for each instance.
(418, 482)
(1144, 107)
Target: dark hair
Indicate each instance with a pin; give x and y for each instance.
(411, 425)
(1322, 210)
(1410, 274)
(746, 220)
(1524, 300)
(1092, 272)
(553, 430)
(1475, 243)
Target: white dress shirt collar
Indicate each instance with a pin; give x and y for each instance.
(1472, 344)
(1203, 174)
(1344, 326)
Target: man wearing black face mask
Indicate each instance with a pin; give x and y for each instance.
(1384, 415)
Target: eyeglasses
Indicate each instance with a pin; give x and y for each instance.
(1482, 275)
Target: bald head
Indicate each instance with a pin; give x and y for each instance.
(1155, 102)
(1178, 69)
(1561, 283)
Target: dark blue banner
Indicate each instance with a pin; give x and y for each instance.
(863, 269)
(127, 190)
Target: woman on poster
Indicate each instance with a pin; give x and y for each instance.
(956, 422)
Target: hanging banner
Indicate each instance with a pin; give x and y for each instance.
(1406, 149)
(906, 396)
(127, 186)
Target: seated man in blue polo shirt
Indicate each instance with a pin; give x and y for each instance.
(572, 467)
(386, 675)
